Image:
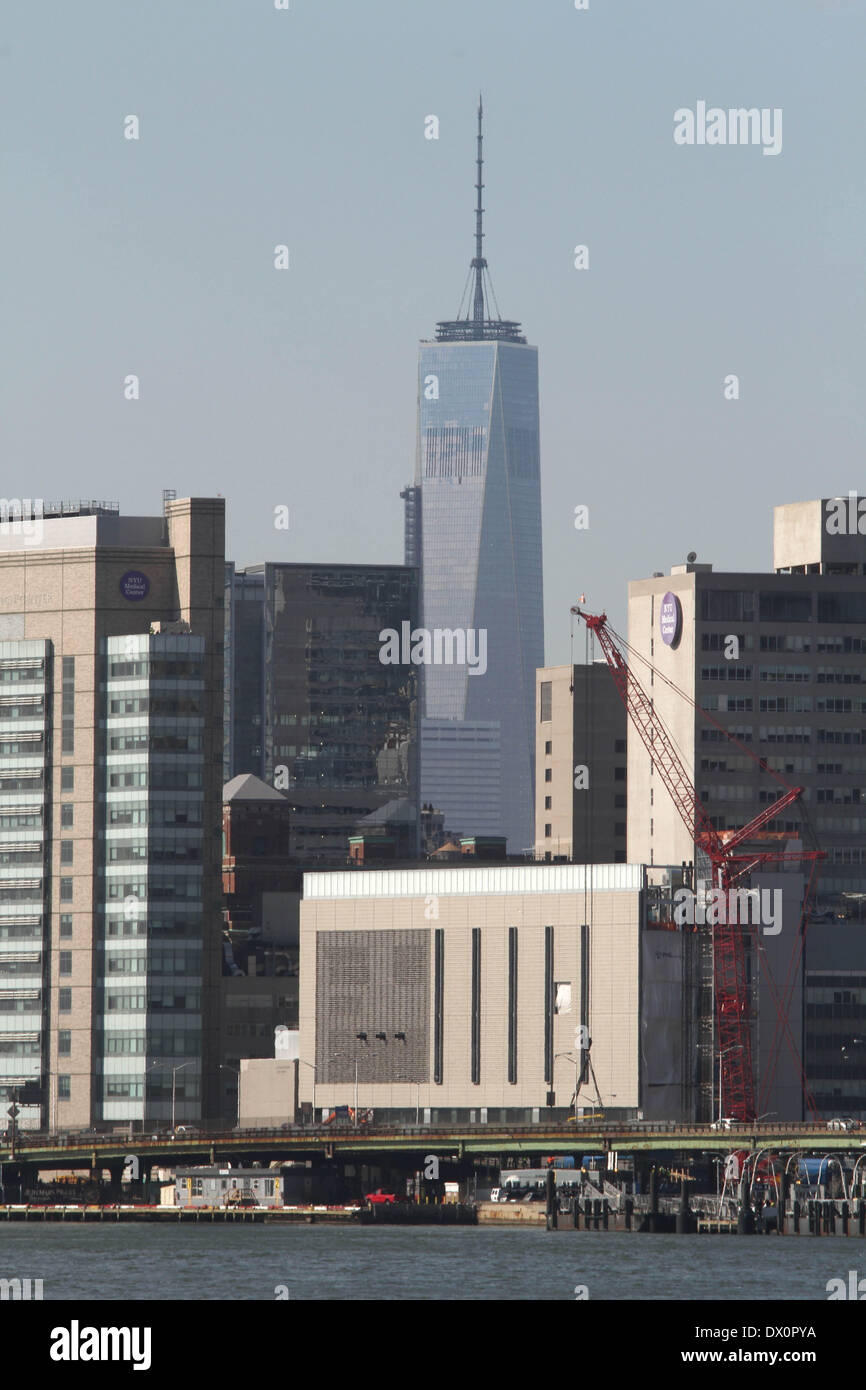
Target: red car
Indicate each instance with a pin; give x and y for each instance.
(380, 1197)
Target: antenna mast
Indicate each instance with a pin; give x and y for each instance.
(479, 264)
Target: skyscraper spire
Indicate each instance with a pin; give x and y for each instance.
(480, 325)
(479, 264)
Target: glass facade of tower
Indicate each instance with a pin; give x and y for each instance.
(149, 964)
(480, 523)
(244, 682)
(312, 708)
(25, 672)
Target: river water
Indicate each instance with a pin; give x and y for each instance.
(431, 1263)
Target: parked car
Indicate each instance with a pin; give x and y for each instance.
(380, 1198)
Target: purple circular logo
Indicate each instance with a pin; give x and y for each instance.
(670, 619)
(135, 586)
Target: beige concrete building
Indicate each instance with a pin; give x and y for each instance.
(471, 993)
(110, 801)
(580, 765)
(268, 1092)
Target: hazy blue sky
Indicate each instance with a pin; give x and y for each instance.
(306, 127)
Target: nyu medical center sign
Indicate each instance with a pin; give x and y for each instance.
(670, 619)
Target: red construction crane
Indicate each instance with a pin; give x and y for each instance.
(728, 868)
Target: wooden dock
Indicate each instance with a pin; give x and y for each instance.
(179, 1215)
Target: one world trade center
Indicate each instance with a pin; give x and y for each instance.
(473, 525)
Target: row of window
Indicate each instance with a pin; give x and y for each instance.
(131, 741)
(154, 963)
(26, 746)
(157, 704)
(155, 668)
(131, 851)
(780, 606)
(181, 1042)
(158, 778)
(150, 925)
(155, 813)
(30, 1002)
(158, 890)
(618, 829)
(121, 1088)
(139, 1001)
(24, 707)
(26, 672)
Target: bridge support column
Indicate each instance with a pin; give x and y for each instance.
(684, 1215)
(652, 1223)
(552, 1213)
(115, 1168)
(745, 1216)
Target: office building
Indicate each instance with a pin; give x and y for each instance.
(777, 660)
(315, 709)
(473, 520)
(835, 1018)
(472, 993)
(580, 765)
(261, 897)
(110, 748)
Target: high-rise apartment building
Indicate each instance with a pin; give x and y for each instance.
(111, 670)
(315, 710)
(473, 520)
(580, 765)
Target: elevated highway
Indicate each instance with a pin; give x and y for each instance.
(369, 1142)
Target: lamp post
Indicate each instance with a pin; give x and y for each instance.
(345, 1057)
(571, 1057)
(223, 1067)
(152, 1067)
(417, 1085)
(313, 1101)
(174, 1072)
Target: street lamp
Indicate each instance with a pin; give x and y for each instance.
(174, 1072)
(223, 1067)
(313, 1102)
(417, 1085)
(576, 1060)
(152, 1067)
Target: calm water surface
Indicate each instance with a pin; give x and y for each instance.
(436, 1263)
